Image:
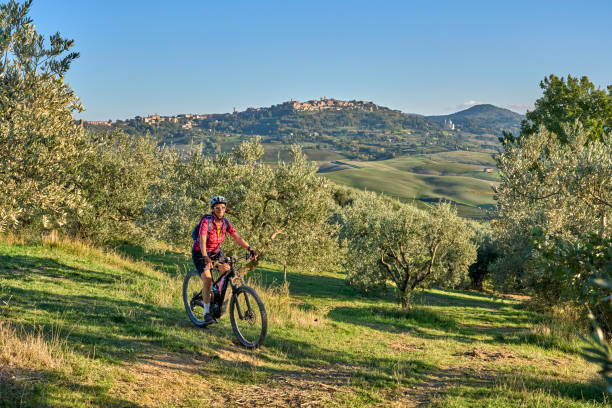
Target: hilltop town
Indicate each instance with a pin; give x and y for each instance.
(322, 104)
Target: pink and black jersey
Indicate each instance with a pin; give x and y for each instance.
(216, 235)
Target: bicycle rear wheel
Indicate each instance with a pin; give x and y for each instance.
(248, 317)
(192, 298)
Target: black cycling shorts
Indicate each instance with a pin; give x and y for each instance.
(198, 259)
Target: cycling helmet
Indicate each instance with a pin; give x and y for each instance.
(216, 200)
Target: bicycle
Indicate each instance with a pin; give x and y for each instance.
(247, 312)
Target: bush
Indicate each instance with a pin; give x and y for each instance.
(573, 267)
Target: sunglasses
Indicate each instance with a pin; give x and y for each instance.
(219, 207)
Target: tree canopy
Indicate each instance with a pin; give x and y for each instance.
(40, 145)
(567, 101)
(405, 245)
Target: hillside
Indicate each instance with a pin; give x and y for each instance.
(81, 327)
(483, 119)
(463, 178)
(356, 129)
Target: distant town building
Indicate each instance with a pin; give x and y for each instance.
(448, 124)
(100, 122)
(155, 119)
(325, 104)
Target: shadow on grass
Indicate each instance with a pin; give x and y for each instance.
(171, 262)
(309, 364)
(565, 344)
(562, 388)
(25, 268)
(528, 390)
(115, 328)
(418, 321)
(393, 319)
(303, 284)
(499, 326)
(455, 298)
(89, 312)
(123, 329)
(31, 388)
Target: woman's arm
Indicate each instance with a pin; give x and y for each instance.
(240, 241)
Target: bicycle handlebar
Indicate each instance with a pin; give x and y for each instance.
(233, 261)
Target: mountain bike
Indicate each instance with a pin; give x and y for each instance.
(247, 312)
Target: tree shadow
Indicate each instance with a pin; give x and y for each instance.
(515, 387)
(319, 286)
(134, 329)
(455, 298)
(420, 322)
(81, 311)
(173, 263)
(129, 327)
(315, 364)
(490, 326)
(26, 268)
(576, 391)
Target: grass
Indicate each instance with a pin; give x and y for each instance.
(458, 177)
(273, 152)
(83, 327)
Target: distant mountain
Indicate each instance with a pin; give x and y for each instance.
(483, 119)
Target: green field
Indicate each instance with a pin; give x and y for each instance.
(458, 177)
(80, 327)
(274, 151)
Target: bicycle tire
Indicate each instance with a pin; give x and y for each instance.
(194, 310)
(249, 325)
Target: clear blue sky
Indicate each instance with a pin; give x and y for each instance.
(145, 57)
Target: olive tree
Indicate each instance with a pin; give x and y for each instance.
(117, 179)
(283, 210)
(552, 189)
(41, 147)
(405, 245)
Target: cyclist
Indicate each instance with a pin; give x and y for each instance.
(207, 247)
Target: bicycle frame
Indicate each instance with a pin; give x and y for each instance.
(228, 277)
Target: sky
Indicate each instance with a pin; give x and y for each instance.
(167, 58)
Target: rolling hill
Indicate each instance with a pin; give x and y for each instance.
(464, 178)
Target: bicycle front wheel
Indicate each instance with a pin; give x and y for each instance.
(192, 298)
(248, 317)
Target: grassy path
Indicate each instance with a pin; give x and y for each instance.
(80, 327)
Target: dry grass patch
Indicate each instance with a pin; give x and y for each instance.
(19, 348)
(286, 311)
(12, 239)
(27, 359)
(165, 380)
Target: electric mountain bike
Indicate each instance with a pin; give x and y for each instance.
(247, 312)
